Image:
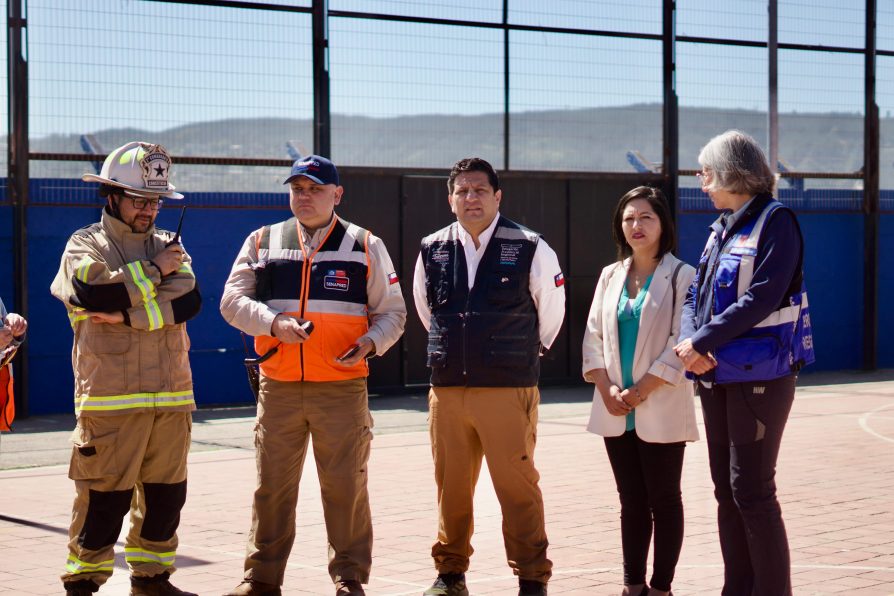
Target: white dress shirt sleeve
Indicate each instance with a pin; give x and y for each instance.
(419, 294)
(547, 285)
(385, 302)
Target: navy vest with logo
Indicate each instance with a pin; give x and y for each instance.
(487, 336)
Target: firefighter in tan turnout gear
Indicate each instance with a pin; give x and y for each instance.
(129, 288)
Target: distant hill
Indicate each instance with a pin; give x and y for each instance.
(594, 139)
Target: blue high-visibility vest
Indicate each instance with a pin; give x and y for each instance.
(780, 344)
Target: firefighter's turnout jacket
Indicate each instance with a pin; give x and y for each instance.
(142, 363)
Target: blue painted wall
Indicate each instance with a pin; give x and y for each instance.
(6, 286)
(886, 291)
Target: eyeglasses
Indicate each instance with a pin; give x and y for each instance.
(140, 203)
(703, 175)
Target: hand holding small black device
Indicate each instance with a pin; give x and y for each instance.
(176, 238)
(308, 326)
(352, 349)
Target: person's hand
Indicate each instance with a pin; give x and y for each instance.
(288, 330)
(106, 317)
(366, 346)
(5, 337)
(703, 364)
(693, 361)
(169, 260)
(16, 323)
(630, 399)
(613, 402)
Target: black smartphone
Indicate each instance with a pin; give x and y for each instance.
(308, 326)
(349, 352)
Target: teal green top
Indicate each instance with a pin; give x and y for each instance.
(628, 329)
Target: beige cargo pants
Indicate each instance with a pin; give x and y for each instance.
(134, 462)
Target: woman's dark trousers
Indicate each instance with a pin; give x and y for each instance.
(648, 479)
(744, 424)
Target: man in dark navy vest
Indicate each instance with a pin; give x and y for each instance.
(490, 292)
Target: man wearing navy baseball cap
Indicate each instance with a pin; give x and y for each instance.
(315, 168)
(313, 271)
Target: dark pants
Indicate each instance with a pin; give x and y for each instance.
(648, 479)
(744, 424)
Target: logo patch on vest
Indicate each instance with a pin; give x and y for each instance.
(441, 256)
(392, 278)
(509, 253)
(559, 279)
(336, 279)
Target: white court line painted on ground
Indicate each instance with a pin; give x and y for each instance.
(865, 418)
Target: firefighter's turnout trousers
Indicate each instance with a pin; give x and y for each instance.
(136, 459)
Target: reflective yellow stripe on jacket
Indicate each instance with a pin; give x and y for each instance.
(147, 289)
(163, 399)
(84, 269)
(76, 315)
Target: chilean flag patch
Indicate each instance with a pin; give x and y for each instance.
(392, 278)
(559, 279)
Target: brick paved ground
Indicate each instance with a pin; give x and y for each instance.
(836, 482)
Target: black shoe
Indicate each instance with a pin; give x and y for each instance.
(529, 587)
(250, 587)
(157, 585)
(448, 584)
(83, 587)
(349, 587)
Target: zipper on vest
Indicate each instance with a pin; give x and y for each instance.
(462, 317)
(302, 300)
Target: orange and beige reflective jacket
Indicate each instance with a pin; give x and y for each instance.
(142, 362)
(341, 278)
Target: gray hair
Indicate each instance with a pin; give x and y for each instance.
(737, 164)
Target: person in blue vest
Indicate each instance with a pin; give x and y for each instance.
(745, 335)
(490, 293)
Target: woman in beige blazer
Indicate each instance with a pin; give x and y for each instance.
(642, 404)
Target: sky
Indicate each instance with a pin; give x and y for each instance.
(97, 64)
